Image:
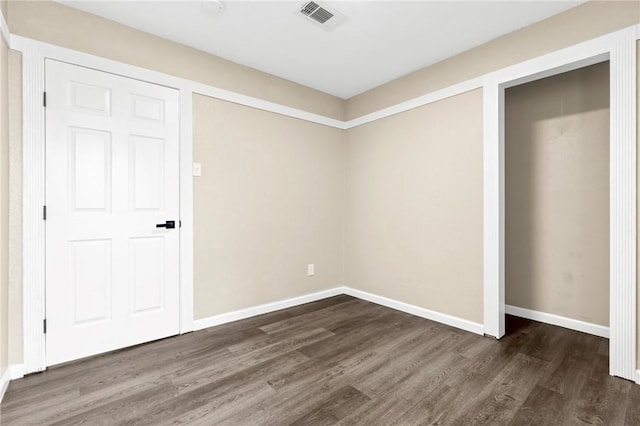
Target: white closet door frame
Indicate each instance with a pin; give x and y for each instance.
(619, 49)
(33, 77)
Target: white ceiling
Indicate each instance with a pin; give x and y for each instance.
(381, 41)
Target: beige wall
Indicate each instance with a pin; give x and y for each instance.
(581, 23)
(269, 202)
(72, 28)
(557, 195)
(414, 216)
(4, 206)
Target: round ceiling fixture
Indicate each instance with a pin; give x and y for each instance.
(214, 7)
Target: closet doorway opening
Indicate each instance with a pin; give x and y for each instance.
(557, 201)
(620, 51)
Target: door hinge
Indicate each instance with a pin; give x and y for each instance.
(44, 99)
(44, 325)
(44, 212)
(179, 224)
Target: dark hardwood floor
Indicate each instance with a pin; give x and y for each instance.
(337, 361)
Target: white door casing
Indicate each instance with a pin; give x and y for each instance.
(112, 175)
(620, 49)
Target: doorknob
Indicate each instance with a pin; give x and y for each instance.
(169, 224)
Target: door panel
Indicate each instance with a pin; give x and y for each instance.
(148, 108)
(90, 267)
(147, 278)
(89, 99)
(90, 168)
(112, 152)
(147, 163)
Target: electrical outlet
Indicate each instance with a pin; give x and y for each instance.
(311, 270)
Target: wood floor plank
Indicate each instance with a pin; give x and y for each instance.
(471, 345)
(336, 407)
(545, 341)
(308, 388)
(601, 398)
(408, 390)
(566, 379)
(113, 411)
(336, 361)
(616, 396)
(417, 364)
(632, 411)
(451, 397)
(542, 407)
(500, 400)
(196, 399)
(317, 317)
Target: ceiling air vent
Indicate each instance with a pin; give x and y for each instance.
(321, 15)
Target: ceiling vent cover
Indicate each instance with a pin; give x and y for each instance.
(321, 15)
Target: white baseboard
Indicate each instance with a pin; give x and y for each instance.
(263, 309)
(638, 377)
(16, 371)
(572, 324)
(12, 372)
(457, 322)
(460, 323)
(5, 378)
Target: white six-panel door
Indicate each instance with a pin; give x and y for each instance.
(112, 175)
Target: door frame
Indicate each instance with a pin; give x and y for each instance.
(33, 77)
(619, 49)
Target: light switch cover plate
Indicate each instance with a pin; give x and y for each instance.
(197, 169)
